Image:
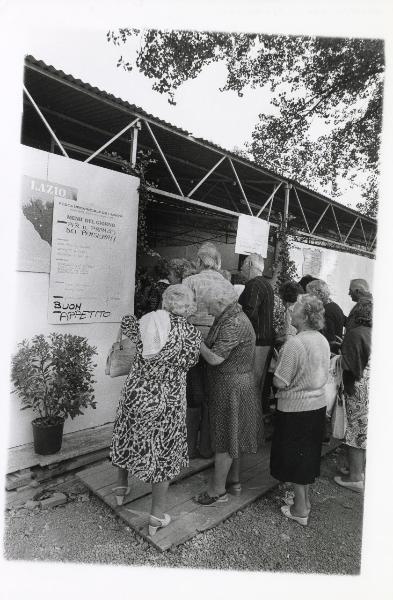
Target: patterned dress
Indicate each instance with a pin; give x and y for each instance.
(235, 410)
(149, 437)
(356, 406)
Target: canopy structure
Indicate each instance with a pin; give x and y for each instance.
(198, 186)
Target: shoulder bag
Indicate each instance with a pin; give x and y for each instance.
(120, 357)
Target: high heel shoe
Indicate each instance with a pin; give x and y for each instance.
(286, 511)
(161, 523)
(120, 497)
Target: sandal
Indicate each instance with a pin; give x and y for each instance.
(120, 496)
(286, 511)
(161, 523)
(354, 486)
(206, 500)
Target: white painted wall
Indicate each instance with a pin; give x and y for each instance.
(114, 190)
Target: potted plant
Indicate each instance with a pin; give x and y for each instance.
(53, 376)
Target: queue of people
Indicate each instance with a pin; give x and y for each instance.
(203, 345)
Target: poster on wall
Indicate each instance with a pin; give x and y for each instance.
(89, 249)
(252, 235)
(35, 222)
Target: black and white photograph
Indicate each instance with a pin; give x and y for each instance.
(194, 379)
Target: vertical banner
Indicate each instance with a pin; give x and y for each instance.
(90, 246)
(252, 236)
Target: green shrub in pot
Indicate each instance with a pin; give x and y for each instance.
(53, 376)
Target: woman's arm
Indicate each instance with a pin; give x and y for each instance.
(279, 383)
(210, 357)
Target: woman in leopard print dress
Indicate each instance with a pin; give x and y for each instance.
(149, 437)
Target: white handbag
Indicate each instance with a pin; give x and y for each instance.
(333, 383)
(120, 357)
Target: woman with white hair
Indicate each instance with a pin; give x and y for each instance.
(149, 437)
(235, 410)
(300, 376)
(334, 316)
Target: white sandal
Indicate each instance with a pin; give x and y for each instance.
(286, 511)
(162, 523)
(120, 497)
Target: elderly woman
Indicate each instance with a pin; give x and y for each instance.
(334, 316)
(300, 376)
(235, 411)
(149, 437)
(206, 279)
(355, 351)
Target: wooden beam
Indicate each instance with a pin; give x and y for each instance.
(54, 136)
(163, 157)
(240, 186)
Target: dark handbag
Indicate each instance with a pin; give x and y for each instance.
(120, 357)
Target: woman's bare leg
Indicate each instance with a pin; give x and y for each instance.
(222, 464)
(234, 472)
(158, 503)
(307, 494)
(122, 477)
(300, 508)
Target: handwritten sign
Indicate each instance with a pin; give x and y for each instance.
(89, 250)
(252, 236)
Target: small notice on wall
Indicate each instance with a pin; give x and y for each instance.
(312, 262)
(87, 265)
(252, 236)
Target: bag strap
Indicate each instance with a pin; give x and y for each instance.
(119, 337)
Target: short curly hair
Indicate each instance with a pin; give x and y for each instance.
(180, 266)
(320, 289)
(179, 300)
(289, 291)
(313, 311)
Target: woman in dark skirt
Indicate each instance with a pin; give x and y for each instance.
(300, 376)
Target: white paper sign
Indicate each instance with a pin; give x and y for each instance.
(91, 247)
(252, 236)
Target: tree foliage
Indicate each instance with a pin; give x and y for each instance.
(326, 97)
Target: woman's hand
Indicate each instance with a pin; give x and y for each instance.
(209, 356)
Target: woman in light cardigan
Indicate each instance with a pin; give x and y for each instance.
(300, 376)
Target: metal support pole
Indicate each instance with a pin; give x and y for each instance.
(134, 143)
(286, 204)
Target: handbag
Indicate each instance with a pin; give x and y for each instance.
(333, 383)
(120, 357)
(339, 417)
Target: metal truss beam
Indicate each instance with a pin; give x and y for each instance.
(54, 136)
(270, 199)
(320, 218)
(163, 157)
(301, 209)
(335, 220)
(240, 186)
(205, 177)
(350, 231)
(109, 142)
